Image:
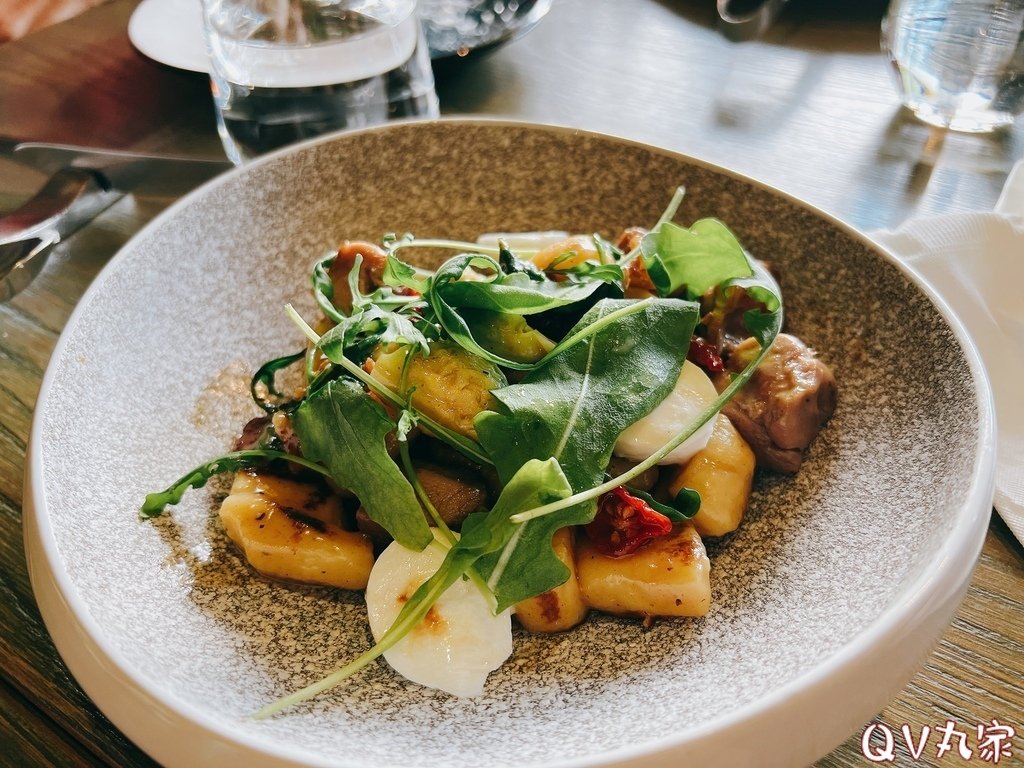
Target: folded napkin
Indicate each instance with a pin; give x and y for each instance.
(975, 261)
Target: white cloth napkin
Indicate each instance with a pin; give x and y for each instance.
(975, 261)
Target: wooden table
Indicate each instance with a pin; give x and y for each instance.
(811, 109)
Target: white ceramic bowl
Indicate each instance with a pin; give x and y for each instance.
(824, 602)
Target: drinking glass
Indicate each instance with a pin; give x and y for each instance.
(284, 70)
(959, 63)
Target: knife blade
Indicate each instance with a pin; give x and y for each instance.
(124, 170)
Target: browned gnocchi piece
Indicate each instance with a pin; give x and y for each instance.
(667, 576)
(722, 474)
(292, 530)
(560, 608)
(567, 253)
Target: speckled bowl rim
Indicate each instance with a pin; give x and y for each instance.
(909, 627)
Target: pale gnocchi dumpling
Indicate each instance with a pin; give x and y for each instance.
(460, 640)
(692, 394)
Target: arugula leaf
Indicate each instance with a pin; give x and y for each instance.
(509, 264)
(343, 428)
(155, 503)
(398, 274)
(266, 376)
(538, 482)
(697, 258)
(357, 335)
(771, 324)
(516, 293)
(763, 325)
(597, 387)
(323, 287)
(360, 301)
(684, 506)
(608, 252)
(606, 273)
(573, 409)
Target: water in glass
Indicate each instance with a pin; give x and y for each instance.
(284, 70)
(959, 63)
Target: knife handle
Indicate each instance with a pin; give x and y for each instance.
(69, 199)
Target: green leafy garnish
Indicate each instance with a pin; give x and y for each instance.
(698, 258)
(510, 264)
(605, 273)
(517, 293)
(265, 379)
(155, 503)
(323, 288)
(398, 274)
(763, 324)
(343, 428)
(538, 482)
(573, 409)
(684, 506)
(367, 328)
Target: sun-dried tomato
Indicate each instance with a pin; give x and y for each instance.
(705, 355)
(624, 522)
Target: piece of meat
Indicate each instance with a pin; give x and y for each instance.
(455, 493)
(629, 239)
(286, 434)
(785, 404)
(429, 450)
(723, 317)
(636, 281)
(269, 432)
(253, 433)
(371, 271)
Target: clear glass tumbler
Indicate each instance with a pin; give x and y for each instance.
(284, 70)
(959, 63)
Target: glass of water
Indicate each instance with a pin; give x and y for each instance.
(284, 70)
(959, 63)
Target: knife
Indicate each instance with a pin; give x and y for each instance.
(122, 170)
(85, 181)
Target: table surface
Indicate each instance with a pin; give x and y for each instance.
(810, 109)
